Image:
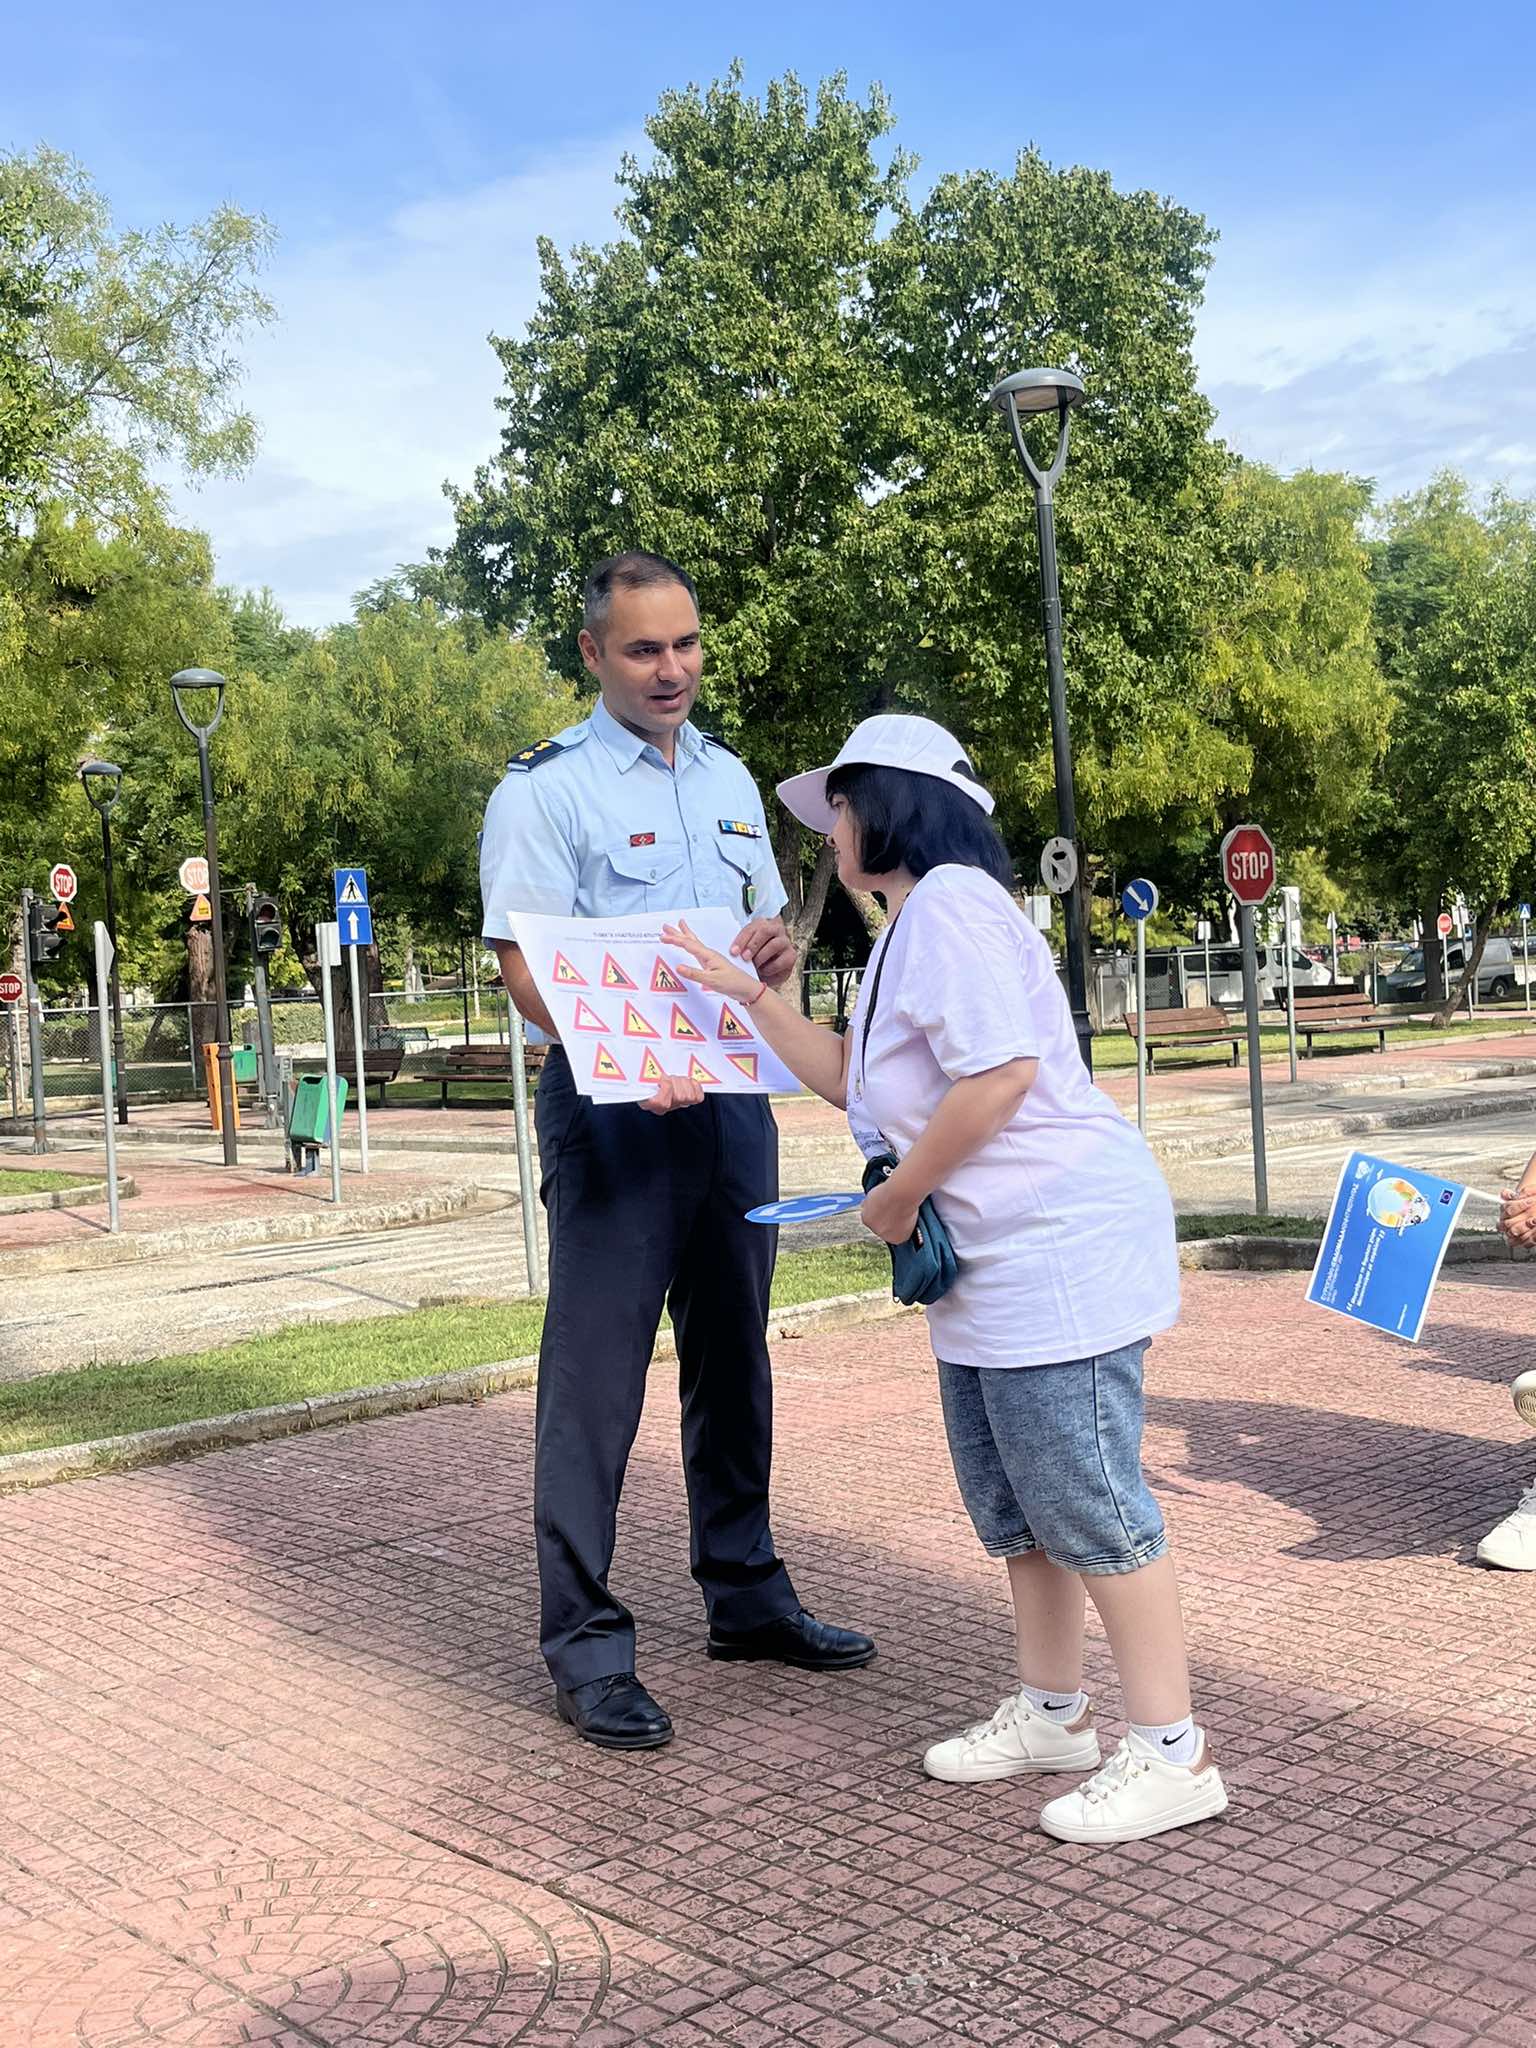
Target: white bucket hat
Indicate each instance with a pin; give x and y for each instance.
(889, 740)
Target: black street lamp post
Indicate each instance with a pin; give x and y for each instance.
(102, 781)
(1024, 393)
(199, 680)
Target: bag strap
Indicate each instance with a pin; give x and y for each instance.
(874, 995)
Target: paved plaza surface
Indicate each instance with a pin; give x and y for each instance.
(278, 1762)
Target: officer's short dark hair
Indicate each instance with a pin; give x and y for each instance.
(917, 822)
(633, 570)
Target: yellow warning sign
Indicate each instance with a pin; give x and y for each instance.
(665, 983)
(636, 1026)
(731, 1025)
(613, 975)
(605, 1067)
(587, 1018)
(651, 1068)
(201, 912)
(745, 1063)
(683, 1025)
(697, 1071)
(566, 975)
(65, 922)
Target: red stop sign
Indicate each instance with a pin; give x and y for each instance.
(1445, 924)
(1248, 863)
(11, 987)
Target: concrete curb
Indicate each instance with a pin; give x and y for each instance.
(246, 1230)
(1439, 1109)
(397, 1397)
(82, 1197)
(27, 1469)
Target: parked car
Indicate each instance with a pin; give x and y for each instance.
(1499, 973)
(1176, 977)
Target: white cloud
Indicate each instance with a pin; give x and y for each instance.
(1320, 347)
(378, 383)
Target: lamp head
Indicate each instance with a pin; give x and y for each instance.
(1038, 391)
(100, 780)
(198, 679)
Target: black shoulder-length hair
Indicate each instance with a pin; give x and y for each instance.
(916, 822)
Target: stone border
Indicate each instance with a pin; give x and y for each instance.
(397, 1397)
(84, 1196)
(309, 1225)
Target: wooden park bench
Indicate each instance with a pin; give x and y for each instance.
(410, 1037)
(482, 1064)
(1212, 1026)
(1340, 1011)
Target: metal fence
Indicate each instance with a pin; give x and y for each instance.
(159, 1042)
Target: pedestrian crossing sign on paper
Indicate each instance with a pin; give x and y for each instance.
(613, 983)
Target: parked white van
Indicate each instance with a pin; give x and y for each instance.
(1499, 973)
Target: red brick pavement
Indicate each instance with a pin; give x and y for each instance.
(277, 1761)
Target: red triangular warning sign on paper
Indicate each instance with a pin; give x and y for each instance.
(587, 1018)
(746, 1063)
(636, 1026)
(697, 1071)
(565, 974)
(613, 975)
(605, 1067)
(731, 1025)
(683, 1025)
(651, 1068)
(665, 983)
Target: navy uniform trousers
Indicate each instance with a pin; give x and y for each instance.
(644, 1210)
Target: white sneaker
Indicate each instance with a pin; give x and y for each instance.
(1524, 1390)
(1511, 1544)
(1136, 1794)
(1016, 1739)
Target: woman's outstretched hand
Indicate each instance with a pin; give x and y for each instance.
(715, 971)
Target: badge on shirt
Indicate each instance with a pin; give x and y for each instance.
(642, 838)
(741, 828)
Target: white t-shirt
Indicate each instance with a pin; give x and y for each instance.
(1062, 1223)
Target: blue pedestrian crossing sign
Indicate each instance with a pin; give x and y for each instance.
(354, 916)
(1138, 900)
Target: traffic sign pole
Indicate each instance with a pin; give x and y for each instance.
(359, 1038)
(105, 951)
(1525, 951)
(1141, 1025)
(1255, 1056)
(328, 947)
(34, 1030)
(525, 1188)
(1290, 997)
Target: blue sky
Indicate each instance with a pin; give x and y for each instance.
(1369, 169)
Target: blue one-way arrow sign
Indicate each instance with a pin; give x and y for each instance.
(354, 916)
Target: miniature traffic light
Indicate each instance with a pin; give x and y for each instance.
(266, 926)
(44, 937)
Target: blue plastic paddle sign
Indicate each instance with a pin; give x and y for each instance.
(804, 1208)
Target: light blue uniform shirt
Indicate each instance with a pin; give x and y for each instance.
(595, 824)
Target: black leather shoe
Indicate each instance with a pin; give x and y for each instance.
(798, 1639)
(615, 1712)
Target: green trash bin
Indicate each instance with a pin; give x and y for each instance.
(243, 1060)
(309, 1118)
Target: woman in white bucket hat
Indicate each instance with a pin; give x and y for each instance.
(961, 1059)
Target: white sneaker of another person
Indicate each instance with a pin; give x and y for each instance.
(1015, 1740)
(1137, 1794)
(1511, 1544)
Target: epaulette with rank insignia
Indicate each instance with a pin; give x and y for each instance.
(716, 741)
(530, 757)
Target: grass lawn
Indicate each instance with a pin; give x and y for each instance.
(1116, 1050)
(1242, 1224)
(37, 1180)
(324, 1358)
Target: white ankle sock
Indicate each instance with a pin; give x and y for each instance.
(1055, 1706)
(1176, 1742)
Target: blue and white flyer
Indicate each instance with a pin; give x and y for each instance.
(1386, 1236)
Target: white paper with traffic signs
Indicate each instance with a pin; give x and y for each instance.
(627, 1018)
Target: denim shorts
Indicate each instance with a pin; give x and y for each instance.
(1048, 1458)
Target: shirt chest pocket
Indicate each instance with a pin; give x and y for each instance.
(635, 878)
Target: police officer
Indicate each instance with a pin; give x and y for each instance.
(633, 810)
